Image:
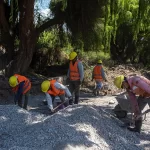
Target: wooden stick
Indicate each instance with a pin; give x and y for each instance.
(59, 105)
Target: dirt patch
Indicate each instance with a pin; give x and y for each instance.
(111, 73)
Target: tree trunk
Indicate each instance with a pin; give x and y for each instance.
(7, 40)
(27, 36)
(24, 58)
(8, 43)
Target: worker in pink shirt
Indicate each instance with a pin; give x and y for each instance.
(135, 86)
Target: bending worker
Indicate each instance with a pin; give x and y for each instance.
(135, 85)
(99, 76)
(52, 89)
(75, 76)
(20, 86)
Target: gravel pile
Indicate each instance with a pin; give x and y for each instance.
(77, 127)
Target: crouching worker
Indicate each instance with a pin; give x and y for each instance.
(20, 86)
(135, 85)
(52, 89)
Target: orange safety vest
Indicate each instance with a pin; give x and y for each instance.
(74, 72)
(53, 90)
(97, 73)
(27, 84)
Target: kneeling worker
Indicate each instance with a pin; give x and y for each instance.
(52, 89)
(20, 86)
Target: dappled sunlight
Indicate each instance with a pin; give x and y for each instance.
(22, 111)
(30, 120)
(3, 119)
(91, 133)
(81, 126)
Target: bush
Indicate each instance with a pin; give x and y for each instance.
(93, 57)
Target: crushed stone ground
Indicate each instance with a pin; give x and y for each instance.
(87, 126)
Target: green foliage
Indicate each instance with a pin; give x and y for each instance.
(93, 26)
(47, 39)
(111, 23)
(93, 57)
(143, 48)
(51, 47)
(54, 38)
(82, 21)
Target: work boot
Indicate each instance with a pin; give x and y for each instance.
(76, 102)
(95, 92)
(98, 94)
(70, 100)
(26, 108)
(66, 104)
(45, 102)
(137, 128)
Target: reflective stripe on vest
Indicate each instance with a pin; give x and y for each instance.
(97, 73)
(53, 90)
(74, 72)
(27, 84)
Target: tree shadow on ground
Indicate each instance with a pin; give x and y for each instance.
(79, 126)
(143, 136)
(35, 132)
(99, 116)
(107, 130)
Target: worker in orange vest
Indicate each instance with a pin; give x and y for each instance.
(99, 76)
(52, 89)
(75, 76)
(20, 86)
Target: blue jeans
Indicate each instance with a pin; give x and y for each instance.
(99, 85)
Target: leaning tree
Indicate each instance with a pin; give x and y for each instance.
(17, 21)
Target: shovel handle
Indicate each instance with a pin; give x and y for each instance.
(59, 105)
(145, 112)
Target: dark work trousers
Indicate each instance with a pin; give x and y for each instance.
(74, 87)
(141, 103)
(20, 100)
(62, 98)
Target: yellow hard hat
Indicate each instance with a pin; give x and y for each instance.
(72, 55)
(45, 86)
(118, 81)
(13, 81)
(99, 62)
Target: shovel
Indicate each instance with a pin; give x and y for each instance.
(144, 113)
(54, 110)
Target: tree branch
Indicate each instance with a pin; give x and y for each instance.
(50, 23)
